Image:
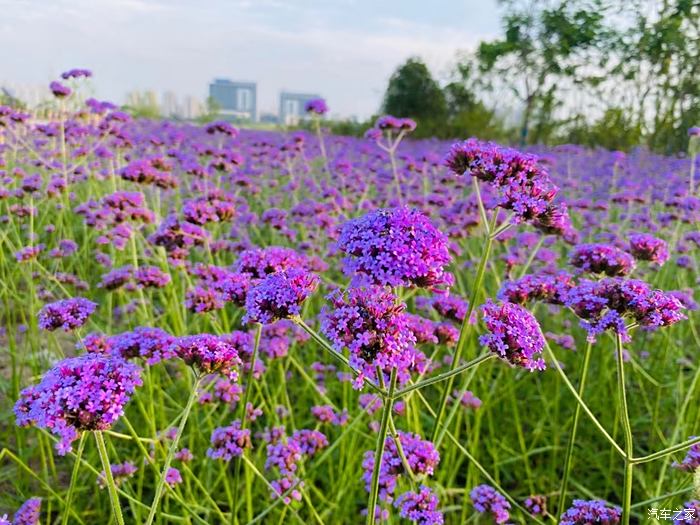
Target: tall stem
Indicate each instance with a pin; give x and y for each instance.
(463, 333)
(111, 486)
(322, 145)
(574, 428)
(171, 451)
(246, 397)
(73, 478)
(388, 403)
(692, 173)
(627, 428)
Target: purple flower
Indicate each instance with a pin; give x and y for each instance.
(421, 455)
(29, 513)
(85, 393)
(514, 336)
(594, 511)
(487, 500)
(76, 73)
(59, 90)
(694, 131)
(152, 344)
(173, 477)
(536, 505)
(389, 122)
(120, 473)
(602, 258)
(209, 354)
(538, 287)
(420, 507)
(372, 325)
(229, 442)
(151, 277)
(223, 127)
(279, 296)
(317, 106)
(259, 262)
(646, 247)
(67, 314)
(396, 247)
(201, 300)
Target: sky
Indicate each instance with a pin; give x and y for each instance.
(345, 50)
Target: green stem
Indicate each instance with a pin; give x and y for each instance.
(73, 478)
(379, 449)
(171, 452)
(581, 402)
(111, 486)
(336, 355)
(463, 333)
(574, 428)
(445, 375)
(622, 400)
(667, 451)
(246, 398)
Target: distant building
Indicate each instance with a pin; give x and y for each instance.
(269, 118)
(292, 107)
(170, 105)
(235, 100)
(192, 108)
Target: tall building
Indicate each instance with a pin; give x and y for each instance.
(292, 107)
(236, 100)
(170, 105)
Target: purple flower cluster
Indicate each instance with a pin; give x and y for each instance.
(646, 247)
(594, 511)
(151, 344)
(259, 262)
(524, 185)
(396, 247)
(543, 287)
(605, 304)
(602, 258)
(85, 393)
(208, 354)
(514, 336)
(488, 500)
(371, 324)
(279, 296)
(421, 455)
(420, 507)
(286, 454)
(120, 473)
(536, 505)
(316, 106)
(67, 314)
(29, 513)
(229, 442)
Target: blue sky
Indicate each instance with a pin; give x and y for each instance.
(343, 49)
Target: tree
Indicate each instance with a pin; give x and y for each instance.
(412, 92)
(543, 45)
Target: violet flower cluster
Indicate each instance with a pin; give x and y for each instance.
(86, 393)
(584, 512)
(514, 334)
(396, 247)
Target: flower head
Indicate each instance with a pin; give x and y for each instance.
(514, 334)
(594, 511)
(317, 106)
(488, 500)
(602, 258)
(229, 442)
(420, 507)
(279, 296)
(646, 247)
(209, 354)
(67, 314)
(84, 393)
(371, 324)
(396, 247)
(29, 513)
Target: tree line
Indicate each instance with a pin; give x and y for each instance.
(610, 73)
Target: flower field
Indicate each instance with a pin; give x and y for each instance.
(207, 325)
